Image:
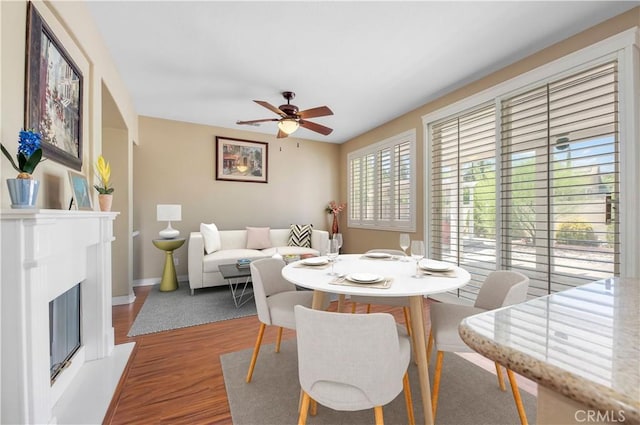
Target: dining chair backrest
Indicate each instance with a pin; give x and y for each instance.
(266, 275)
(502, 288)
(349, 361)
(388, 251)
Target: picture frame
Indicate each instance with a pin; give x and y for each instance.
(53, 91)
(81, 191)
(241, 160)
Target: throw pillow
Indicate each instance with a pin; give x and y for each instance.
(211, 237)
(258, 237)
(300, 235)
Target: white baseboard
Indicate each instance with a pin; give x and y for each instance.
(155, 280)
(127, 299)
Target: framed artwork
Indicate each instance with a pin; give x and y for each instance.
(53, 104)
(241, 160)
(81, 192)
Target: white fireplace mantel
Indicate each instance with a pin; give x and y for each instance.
(44, 253)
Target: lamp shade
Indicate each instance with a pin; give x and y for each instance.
(169, 212)
(288, 125)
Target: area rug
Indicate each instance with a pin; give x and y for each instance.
(163, 311)
(468, 394)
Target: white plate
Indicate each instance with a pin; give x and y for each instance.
(315, 261)
(378, 255)
(435, 266)
(364, 277)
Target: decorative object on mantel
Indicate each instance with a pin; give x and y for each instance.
(80, 189)
(23, 190)
(105, 197)
(334, 208)
(169, 213)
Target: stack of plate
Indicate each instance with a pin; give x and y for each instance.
(434, 265)
(315, 261)
(364, 278)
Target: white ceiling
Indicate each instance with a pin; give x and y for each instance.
(205, 61)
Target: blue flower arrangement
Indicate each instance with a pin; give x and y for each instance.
(29, 153)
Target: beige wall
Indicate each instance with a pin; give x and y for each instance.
(358, 240)
(174, 164)
(73, 26)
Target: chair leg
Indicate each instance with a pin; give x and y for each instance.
(429, 346)
(314, 407)
(407, 399)
(379, 417)
(302, 419)
(516, 397)
(407, 320)
(256, 350)
(500, 377)
(436, 383)
(279, 339)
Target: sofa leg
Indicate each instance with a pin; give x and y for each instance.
(193, 291)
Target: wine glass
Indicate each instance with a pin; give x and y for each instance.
(338, 237)
(332, 254)
(417, 253)
(404, 243)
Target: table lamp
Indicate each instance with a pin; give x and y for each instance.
(169, 213)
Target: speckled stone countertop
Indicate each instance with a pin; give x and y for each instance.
(583, 343)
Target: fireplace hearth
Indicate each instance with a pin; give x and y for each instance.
(45, 253)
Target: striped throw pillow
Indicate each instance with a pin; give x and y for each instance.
(300, 235)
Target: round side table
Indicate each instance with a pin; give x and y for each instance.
(169, 280)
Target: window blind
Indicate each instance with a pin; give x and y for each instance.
(463, 194)
(381, 181)
(560, 180)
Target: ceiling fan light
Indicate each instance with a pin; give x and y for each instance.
(288, 125)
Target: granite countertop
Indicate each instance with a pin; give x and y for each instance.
(583, 343)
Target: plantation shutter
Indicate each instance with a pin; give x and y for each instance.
(560, 181)
(380, 185)
(463, 229)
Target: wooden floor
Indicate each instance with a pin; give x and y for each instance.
(175, 377)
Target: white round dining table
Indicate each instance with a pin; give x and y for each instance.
(402, 284)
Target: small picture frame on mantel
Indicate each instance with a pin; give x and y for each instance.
(81, 191)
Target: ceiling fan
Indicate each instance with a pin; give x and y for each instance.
(291, 118)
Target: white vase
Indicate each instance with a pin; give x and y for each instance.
(23, 192)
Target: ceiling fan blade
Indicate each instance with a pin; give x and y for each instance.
(316, 127)
(282, 134)
(270, 107)
(256, 121)
(320, 111)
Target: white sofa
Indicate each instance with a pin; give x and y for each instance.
(203, 267)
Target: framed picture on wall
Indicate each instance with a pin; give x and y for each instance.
(241, 160)
(53, 104)
(81, 191)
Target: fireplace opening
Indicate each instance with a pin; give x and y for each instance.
(64, 330)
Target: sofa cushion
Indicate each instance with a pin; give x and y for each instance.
(300, 235)
(290, 250)
(258, 237)
(211, 237)
(211, 261)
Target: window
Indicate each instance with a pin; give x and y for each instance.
(560, 181)
(463, 194)
(381, 184)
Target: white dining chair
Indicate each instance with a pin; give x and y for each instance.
(275, 298)
(390, 301)
(350, 362)
(500, 289)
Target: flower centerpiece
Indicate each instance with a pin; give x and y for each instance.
(23, 190)
(29, 153)
(104, 188)
(334, 208)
